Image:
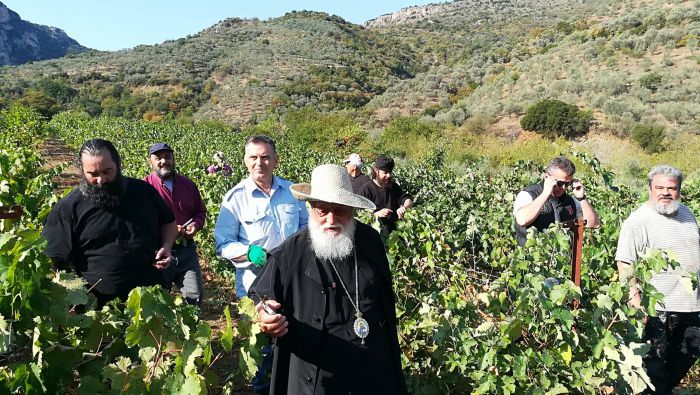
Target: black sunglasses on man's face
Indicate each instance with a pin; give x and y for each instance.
(563, 184)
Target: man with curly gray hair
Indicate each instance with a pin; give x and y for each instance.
(664, 223)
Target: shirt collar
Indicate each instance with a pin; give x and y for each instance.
(161, 181)
(251, 186)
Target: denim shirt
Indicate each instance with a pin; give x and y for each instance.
(250, 216)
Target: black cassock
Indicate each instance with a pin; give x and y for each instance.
(321, 354)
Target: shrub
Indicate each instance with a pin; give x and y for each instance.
(45, 105)
(553, 118)
(651, 81)
(408, 137)
(649, 137)
(323, 132)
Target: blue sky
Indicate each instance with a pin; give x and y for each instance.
(118, 24)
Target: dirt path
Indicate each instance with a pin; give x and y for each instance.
(218, 292)
(56, 153)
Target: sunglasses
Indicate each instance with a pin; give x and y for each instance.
(563, 184)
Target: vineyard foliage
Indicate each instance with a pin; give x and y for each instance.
(48, 344)
(477, 313)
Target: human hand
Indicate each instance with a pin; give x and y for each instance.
(273, 324)
(383, 213)
(548, 185)
(190, 230)
(163, 259)
(400, 212)
(579, 189)
(256, 255)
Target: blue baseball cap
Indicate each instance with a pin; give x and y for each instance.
(159, 147)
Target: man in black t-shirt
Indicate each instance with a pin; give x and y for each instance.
(391, 201)
(115, 232)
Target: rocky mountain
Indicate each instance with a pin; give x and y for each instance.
(22, 41)
(456, 11)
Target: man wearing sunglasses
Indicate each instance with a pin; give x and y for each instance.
(542, 204)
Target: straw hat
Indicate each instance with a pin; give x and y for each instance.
(331, 184)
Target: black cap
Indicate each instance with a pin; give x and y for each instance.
(384, 163)
(159, 147)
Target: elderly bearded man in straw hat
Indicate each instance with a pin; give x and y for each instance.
(326, 297)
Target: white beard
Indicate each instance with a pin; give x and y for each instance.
(667, 209)
(330, 246)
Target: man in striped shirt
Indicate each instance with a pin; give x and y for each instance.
(666, 224)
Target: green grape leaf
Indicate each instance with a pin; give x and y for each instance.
(226, 336)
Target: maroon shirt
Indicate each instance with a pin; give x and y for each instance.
(184, 200)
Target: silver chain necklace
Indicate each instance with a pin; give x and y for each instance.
(360, 326)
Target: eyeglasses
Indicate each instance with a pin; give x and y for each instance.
(563, 184)
(323, 209)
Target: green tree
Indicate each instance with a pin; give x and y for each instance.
(58, 88)
(649, 137)
(41, 102)
(324, 132)
(553, 118)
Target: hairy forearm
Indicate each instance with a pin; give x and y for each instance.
(627, 275)
(168, 233)
(589, 214)
(528, 213)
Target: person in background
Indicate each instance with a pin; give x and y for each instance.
(114, 231)
(220, 165)
(257, 215)
(390, 200)
(542, 204)
(353, 164)
(664, 223)
(326, 295)
(182, 196)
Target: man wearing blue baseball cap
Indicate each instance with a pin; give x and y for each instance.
(183, 197)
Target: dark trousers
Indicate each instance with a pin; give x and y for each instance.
(261, 380)
(675, 346)
(186, 274)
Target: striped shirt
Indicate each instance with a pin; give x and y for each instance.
(678, 235)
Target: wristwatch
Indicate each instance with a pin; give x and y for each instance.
(580, 198)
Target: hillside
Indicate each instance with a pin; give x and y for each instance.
(453, 63)
(22, 41)
(233, 71)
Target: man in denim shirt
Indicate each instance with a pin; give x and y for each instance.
(259, 212)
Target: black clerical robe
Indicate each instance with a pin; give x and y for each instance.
(321, 354)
